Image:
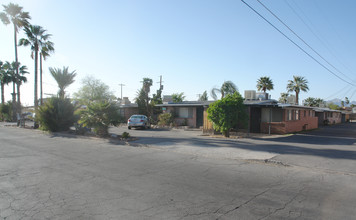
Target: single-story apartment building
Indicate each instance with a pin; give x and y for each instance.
(328, 116)
(187, 113)
(271, 117)
(127, 108)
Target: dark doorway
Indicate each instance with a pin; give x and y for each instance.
(255, 120)
(200, 116)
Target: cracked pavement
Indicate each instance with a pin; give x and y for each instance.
(44, 176)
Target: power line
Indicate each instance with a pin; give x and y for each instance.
(296, 44)
(310, 47)
(323, 41)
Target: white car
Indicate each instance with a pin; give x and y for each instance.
(138, 121)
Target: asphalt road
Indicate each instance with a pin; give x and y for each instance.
(45, 176)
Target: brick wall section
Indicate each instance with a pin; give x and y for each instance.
(289, 126)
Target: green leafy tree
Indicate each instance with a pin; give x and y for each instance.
(56, 114)
(4, 79)
(204, 96)
(333, 106)
(64, 78)
(14, 14)
(227, 88)
(36, 38)
(297, 85)
(227, 113)
(283, 98)
(143, 99)
(178, 97)
(264, 83)
(93, 90)
(313, 102)
(100, 115)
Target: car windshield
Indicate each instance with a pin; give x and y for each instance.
(137, 116)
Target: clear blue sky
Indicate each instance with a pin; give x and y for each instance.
(195, 45)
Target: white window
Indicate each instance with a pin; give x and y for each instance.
(185, 112)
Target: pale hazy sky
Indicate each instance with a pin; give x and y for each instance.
(194, 44)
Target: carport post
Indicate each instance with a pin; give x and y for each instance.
(270, 120)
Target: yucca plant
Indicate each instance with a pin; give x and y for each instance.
(56, 115)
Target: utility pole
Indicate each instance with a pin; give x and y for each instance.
(121, 89)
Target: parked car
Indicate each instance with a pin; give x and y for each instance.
(138, 121)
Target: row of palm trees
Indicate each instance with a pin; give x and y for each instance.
(36, 37)
(8, 75)
(297, 84)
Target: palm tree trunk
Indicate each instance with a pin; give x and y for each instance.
(296, 98)
(18, 94)
(2, 93)
(36, 79)
(14, 111)
(41, 92)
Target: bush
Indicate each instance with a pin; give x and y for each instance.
(99, 116)
(165, 119)
(125, 135)
(56, 115)
(6, 112)
(228, 113)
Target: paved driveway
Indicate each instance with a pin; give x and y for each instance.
(329, 148)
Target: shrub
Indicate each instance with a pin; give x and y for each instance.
(56, 115)
(125, 135)
(99, 116)
(228, 113)
(165, 119)
(5, 112)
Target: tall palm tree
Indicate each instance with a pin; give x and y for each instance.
(147, 83)
(204, 96)
(227, 87)
(4, 79)
(20, 78)
(13, 14)
(284, 97)
(45, 51)
(264, 83)
(63, 78)
(299, 83)
(36, 38)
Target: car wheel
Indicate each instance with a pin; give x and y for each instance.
(129, 128)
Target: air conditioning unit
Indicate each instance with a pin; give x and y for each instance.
(250, 94)
(291, 99)
(262, 96)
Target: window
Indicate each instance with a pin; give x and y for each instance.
(296, 114)
(290, 113)
(185, 112)
(305, 113)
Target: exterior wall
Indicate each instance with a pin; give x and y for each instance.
(191, 121)
(304, 121)
(334, 117)
(127, 112)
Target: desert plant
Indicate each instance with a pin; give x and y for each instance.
(125, 135)
(56, 115)
(99, 116)
(165, 119)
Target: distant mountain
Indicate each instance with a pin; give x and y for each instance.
(338, 102)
